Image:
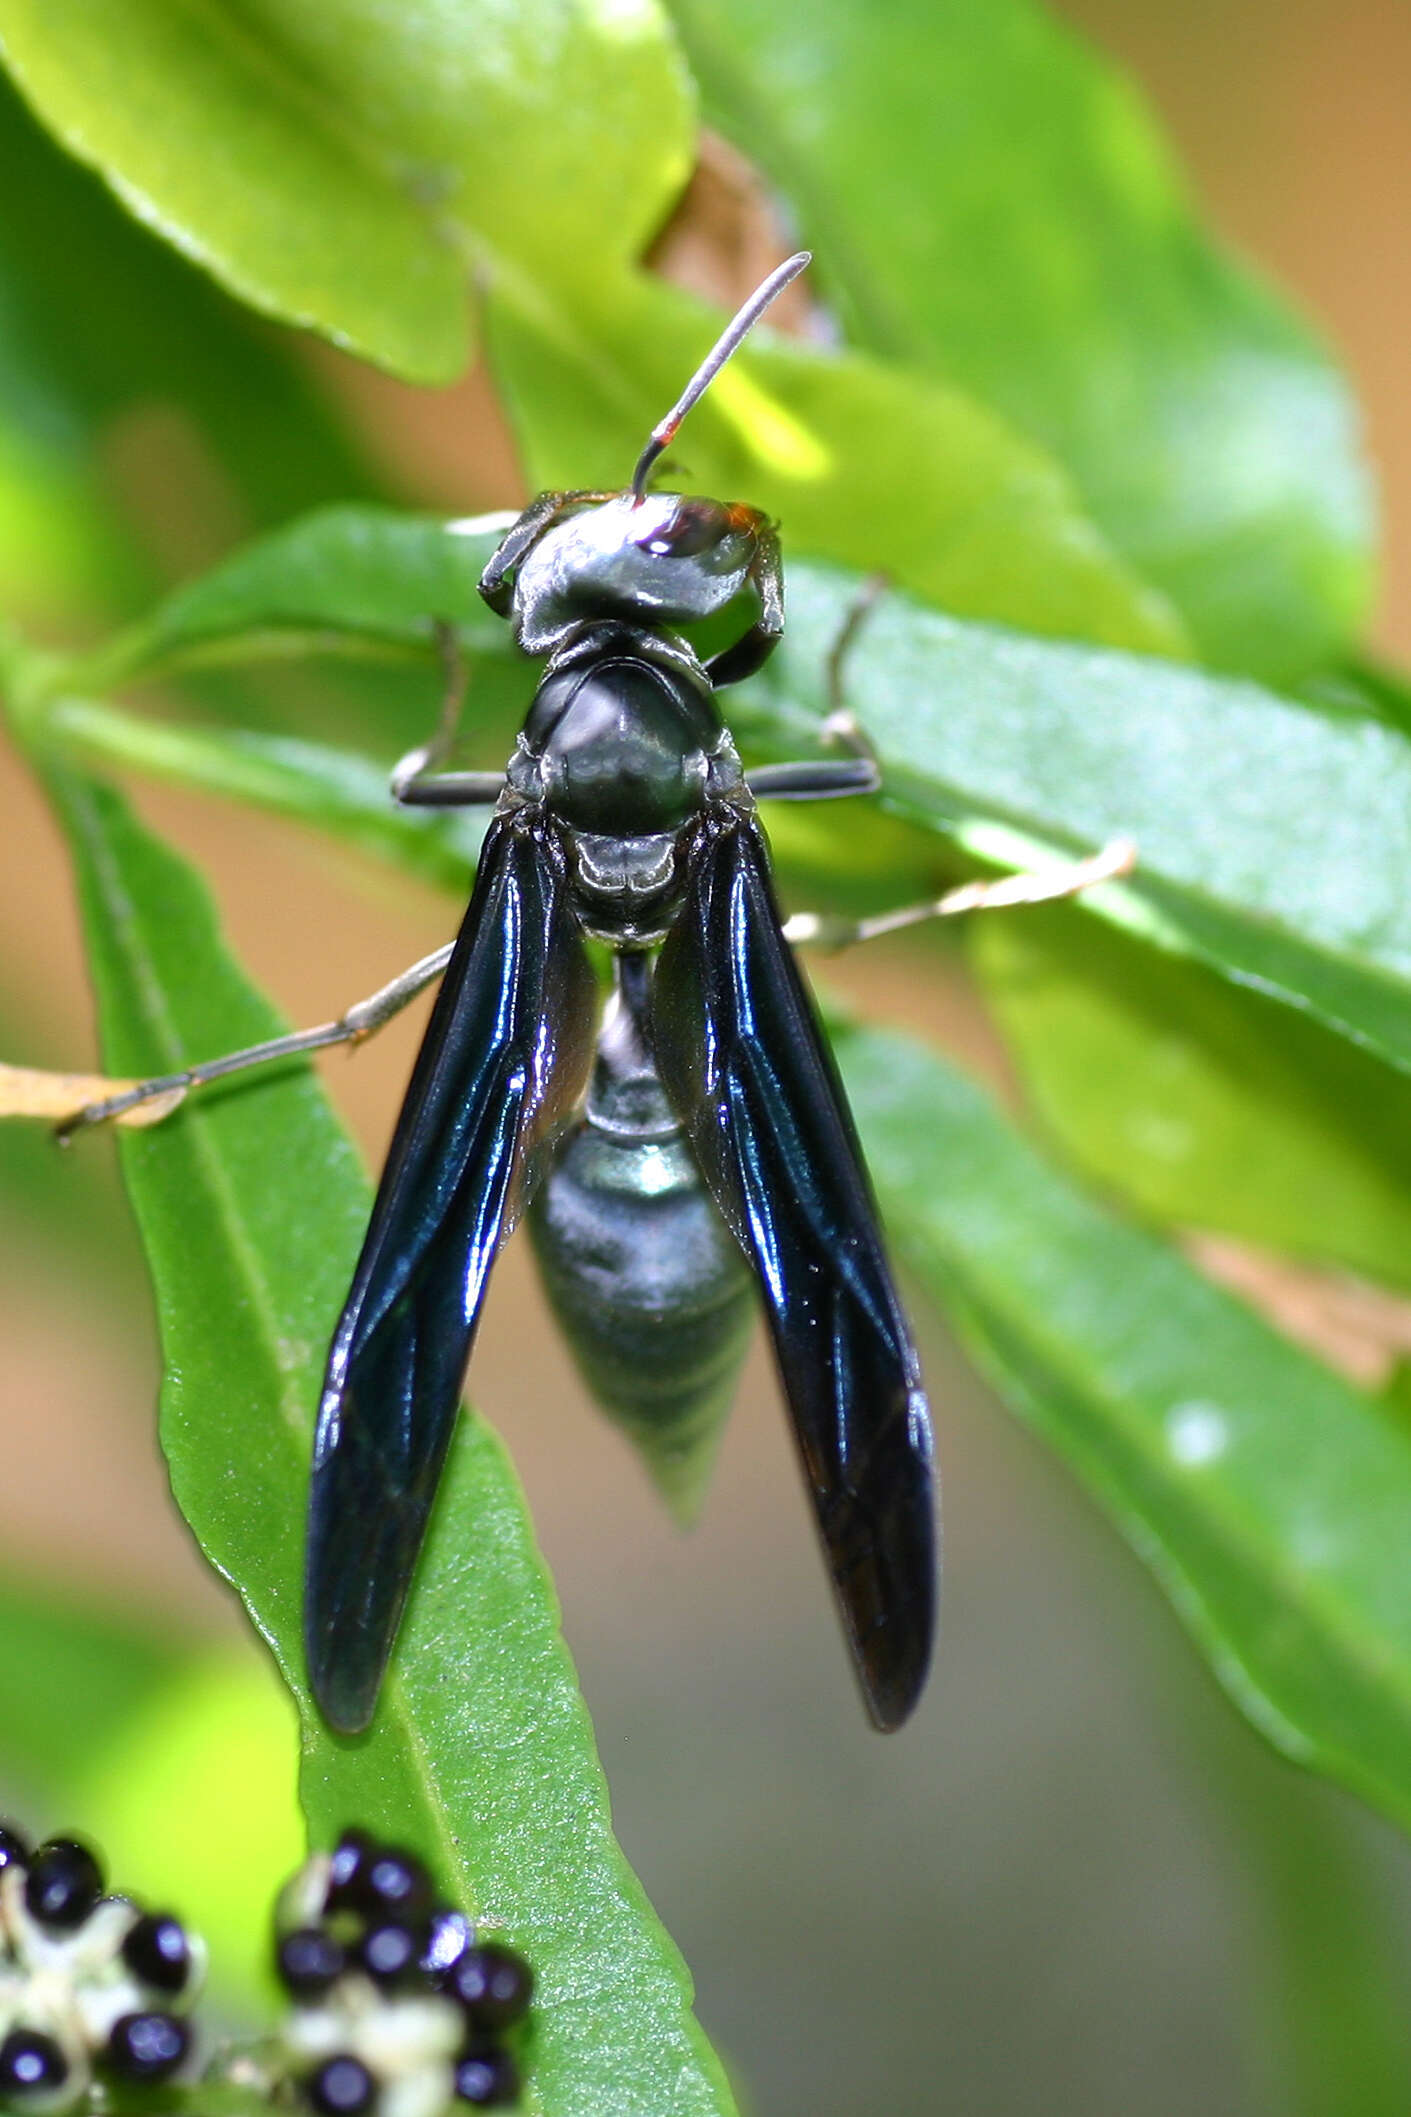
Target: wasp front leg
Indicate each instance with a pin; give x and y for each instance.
(841, 727)
(824, 779)
(753, 648)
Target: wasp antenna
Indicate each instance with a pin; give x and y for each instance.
(744, 320)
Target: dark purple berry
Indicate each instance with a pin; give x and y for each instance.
(493, 1985)
(389, 1952)
(342, 2087)
(147, 2046)
(381, 1881)
(63, 1884)
(448, 1937)
(30, 2064)
(487, 2077)
(13, 1845)
(157, 1952)
(347, 1868)
(308, 1962)
(397, 1885)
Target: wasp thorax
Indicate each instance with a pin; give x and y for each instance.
(666, 558)
(621, 745)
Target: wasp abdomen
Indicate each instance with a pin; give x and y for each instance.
(649, 1286)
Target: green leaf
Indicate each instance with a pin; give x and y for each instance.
(71, 1680)
(990, 199)
(1274, 839)
(111, 348)
(1269, 1498)
(1200, 1103)
(173, 1757)
(868, 463)
(341, 166)
(193, 1801)
(369, 574)
(251, 1208)
(201, 2099)
(333, 789)
(1361, 685)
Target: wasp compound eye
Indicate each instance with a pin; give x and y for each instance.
(147, 2046)
(343, 2087)
(157, 1952)
(30, 2064)
(487, 2078)
(694, 527)
(63, 1884)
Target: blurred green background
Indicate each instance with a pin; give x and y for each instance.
(1077, 1883)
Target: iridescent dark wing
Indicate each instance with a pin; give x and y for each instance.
(501, 1068)
(748, 1072)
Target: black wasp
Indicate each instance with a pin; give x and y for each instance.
(624, 816)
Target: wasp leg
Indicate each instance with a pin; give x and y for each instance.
(754, 647)
(826, 780)
(815, 779)
(362, 1019)
(497, 581)
(842, 727)
(415, 781)
(1066, 878)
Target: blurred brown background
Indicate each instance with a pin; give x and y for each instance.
(1072, 1885)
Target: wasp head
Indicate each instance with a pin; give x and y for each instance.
(661, 559)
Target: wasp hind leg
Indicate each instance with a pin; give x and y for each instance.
(361, 1020)
(1065, 878)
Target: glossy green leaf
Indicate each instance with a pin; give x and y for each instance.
(989, 198)
(1269, 1498)
(334, 789)
(365, 574)
(251, 1207)
(1274, 839)
(874, 465)
(106, 336)
(1203, 1104)
(341, 166)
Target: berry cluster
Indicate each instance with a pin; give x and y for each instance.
(399, 2011)
(86, 1980)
